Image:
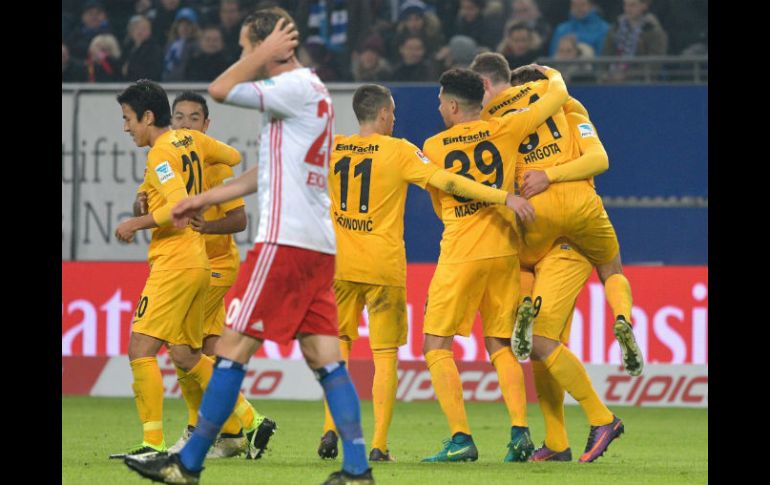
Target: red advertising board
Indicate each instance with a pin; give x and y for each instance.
(670, 315)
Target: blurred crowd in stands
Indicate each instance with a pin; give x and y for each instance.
(374, 40)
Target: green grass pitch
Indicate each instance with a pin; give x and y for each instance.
(660, 446)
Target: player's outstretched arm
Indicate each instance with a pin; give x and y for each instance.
(242, 185)
(140, 204)
(127, 229)
(279, 45)
(234, 221)
(528, 119)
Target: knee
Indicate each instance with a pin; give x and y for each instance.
(542, 347)
(184, 357)
(610, 268)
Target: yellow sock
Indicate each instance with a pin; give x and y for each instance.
(526, 282)
(572, 376)
(384, 387)
(448, 388)
(550, 395)
(192, 394)
(247, 414)
(618, 293)
(148, 394)
(511, 377)
(345, 346)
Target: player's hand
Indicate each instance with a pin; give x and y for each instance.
(538, 67)
(199, 224)
(282, 40)
(535, 181)
(521, 207)
(125, 231)
(140, 204)
(186, 209)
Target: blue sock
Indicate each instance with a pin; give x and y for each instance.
(346, 411)
(217, 405)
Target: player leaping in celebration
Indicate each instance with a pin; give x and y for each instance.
(478, 267)
(285, 287)
(368, 180)
(170, 309)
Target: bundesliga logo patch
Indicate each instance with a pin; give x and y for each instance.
(422, 156)
(164, 172)
(586, 130)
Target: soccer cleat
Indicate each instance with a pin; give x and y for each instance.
(546, 454)
(633, 359)
(328, 446)
(177, 447)
(459, 448)
(521, 343)
(520, 447)
(141, 450)
(344, 478)
(228, 446)
(599, 439)
(258, 437)
(378, 455)
(163, 468)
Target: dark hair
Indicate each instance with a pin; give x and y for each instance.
(519, 26)
(409, 37)
(194, 98)
(262, 22)
(526, 74)
(145, 95)
(464, 84)
(493, 65)
(368, 100)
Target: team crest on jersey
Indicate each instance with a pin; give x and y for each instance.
(586, 130)
(164, 172)
(422, 156)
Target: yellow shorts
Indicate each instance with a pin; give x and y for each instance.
(572, 210)
(457, 291)
(386, 306)
(559, 277)
(214, 310)
(171, 306)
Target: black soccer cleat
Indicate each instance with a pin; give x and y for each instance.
(163, 468)
(259, 437)
(344, 478)
(328, 446)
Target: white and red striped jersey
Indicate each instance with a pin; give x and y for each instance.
(293, 158)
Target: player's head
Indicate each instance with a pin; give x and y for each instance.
(460, 97)
(145, 110)
(258, 25)
(189, 110)
(494, 71)
(526, 74)
(373, 104)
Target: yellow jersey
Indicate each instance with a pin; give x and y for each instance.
(174, 169)
(368, 181)
(221, 248)
(550, 144)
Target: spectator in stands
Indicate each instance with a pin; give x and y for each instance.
(369, 63)
(183, 43)
(519, 47)
(472, 23)
(211, 59)
(162, 19)
(458, 53)
(72, 70)
(230, 18)
(585, 23)
(415, 20)
(314, 54)
(569, 49)
(103, 60)
(636, 33)
(414, 66)
(527, 12)
(93, 21)
(686, 22)
(143, 57)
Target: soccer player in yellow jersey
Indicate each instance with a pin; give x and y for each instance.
(170, 310)
(478, 267)
(190, 111)
(369, 173)
(561, 264)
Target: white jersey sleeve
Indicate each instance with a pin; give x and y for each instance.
(268, 96)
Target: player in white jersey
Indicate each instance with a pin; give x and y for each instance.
(284, 290)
